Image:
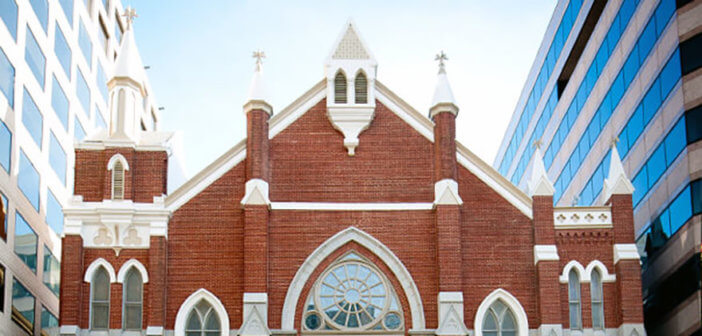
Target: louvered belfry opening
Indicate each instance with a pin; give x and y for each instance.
(340, 88)
(118, 181)
(361, 86)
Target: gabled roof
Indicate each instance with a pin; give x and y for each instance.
(296, 109)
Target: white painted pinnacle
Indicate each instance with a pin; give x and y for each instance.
(539, 183)
(128, 63)
(442, 91)
(616, 182)
(257, 89)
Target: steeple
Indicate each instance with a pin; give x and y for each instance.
(539, 183)
(616, 182)
(257, 97)
(126, 87)
(443, 100)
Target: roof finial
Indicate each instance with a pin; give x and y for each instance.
(130, 14)
(441, 57)
(537, 144)
(259, 55)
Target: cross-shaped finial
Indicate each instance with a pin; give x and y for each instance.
(537, 144)
(615, 140)
(441, 57)
(259, 56)
(130, 14)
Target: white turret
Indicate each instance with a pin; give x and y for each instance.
(127, 91)
(616, 182)
(539, 184)
(443, 100)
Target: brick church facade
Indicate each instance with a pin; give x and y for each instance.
(348, 212)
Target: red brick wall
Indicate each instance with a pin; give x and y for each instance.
(147, 169)
(445, 146)
(71, 280)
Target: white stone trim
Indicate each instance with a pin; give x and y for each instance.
(255, 315)
(129, 264)
(494, 180)
(88, 277)
(545, 253)
(332, 244)
(69, 330)
(256, 193)
(578, 268)
(596, 264)
(584, 273)
(154, 331)
(597, 217)
(625, 252)
(292, 112)
(631, 329)
(446, 193)
(451, 321)
(117, 158)
(191, 301)
(321, 206)
(404, 111)
(511, 302)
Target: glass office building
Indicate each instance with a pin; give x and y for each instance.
(626, 72)
(55, 59)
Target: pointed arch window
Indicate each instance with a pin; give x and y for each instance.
(361, 88)
(118, 181)
(574, 300)
(133, 295)
(202, 320)
(499, 321)
(597, 300)
(340, 88)
(100, 300)
(352, 295)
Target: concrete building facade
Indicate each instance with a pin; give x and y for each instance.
(55, 59)
(628, 72)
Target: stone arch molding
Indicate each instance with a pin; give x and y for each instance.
(584, 273)
(511, 302)
(332, 244)
(117, 158)
(95, 265)
(128, 265)
(190, 303)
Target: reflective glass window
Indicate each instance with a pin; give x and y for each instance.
(35, 57)
(28, 180)
(22, 306)
(52, 271)
(25, 242)
(63, 51)
(32, 118)
(59, 102)
(57, 158)
(8, 13)
(67, 6)
(7, 77)
(49, 323)
(79, 131)
(54, 213)
(5, 147)
(83, 92)
(102, 81)
(86, 46)
(41, 9)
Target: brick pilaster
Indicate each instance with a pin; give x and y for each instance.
(629, 301)
(449, 247)
(444, 146)
(256, 248)
(157, 282)
(71, 281)
(257, 145)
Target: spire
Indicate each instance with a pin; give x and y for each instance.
(257, 97)
(128, 64)
(617, 182)
(539, 183)
(443, 100)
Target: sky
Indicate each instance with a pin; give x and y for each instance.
(199, 54)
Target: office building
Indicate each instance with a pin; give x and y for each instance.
(625, 72)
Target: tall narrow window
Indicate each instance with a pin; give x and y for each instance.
(499, 321)
(361, 86)
(118, 181)
(202, 321)
(100, 300)
(133, 298)
(597, 301)
(340, 88)
(574, 300)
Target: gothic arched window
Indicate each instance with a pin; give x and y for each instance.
(202, 321)
(499, 321)
(574, 299)
(118, 181)
(361, 88)
(132, 300)
(352, 295)
(100, 300)
(597, 301)
(340, 88)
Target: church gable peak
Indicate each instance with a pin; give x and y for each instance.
(350, 46)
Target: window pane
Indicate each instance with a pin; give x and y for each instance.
(675, 142)
(28, 180)
(656, 166)
(212, 323)
(7, 74)
(52, 271)
(597, 316)
(508, 321)
(193, 321)
(59, 102)
(83, 92)
(79, 131)
(132, 317)
(67, 6)
(134, 284)
(2, 288)
(22, 306)
(100, 316)
(35, 57)
(118, 29)
(102, 81)
(99, 119)
(101, 285)
(41, 9)
(3, 234)
(32, 118)
(25, 242)
(49, 323)
(680, 210)
(57, 158)
(5, 147)
(489, 323)
(54, 213)
(63, 51)
(8, 13)
(86, 46)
